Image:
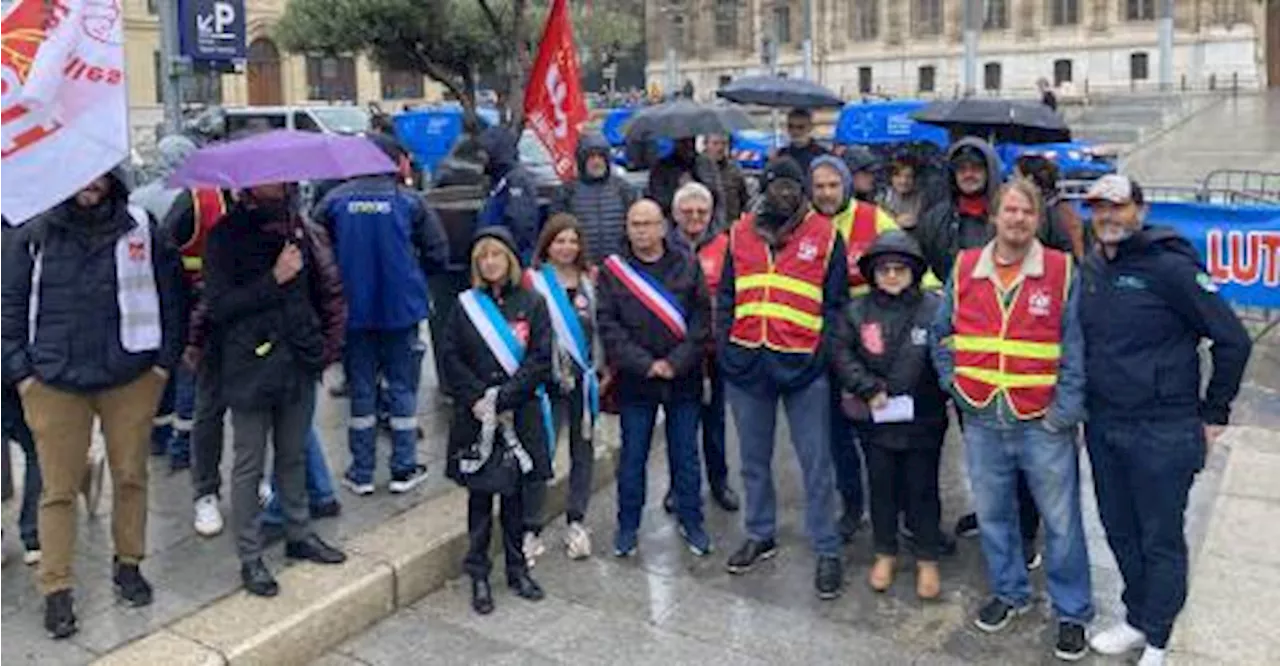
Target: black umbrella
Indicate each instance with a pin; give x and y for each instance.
(777, 91)
(997, 120)
(684, 118)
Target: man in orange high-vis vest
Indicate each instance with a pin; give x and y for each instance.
(1008, 346)
(782, 286)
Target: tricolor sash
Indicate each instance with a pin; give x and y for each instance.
(652, 295)
(505, 347)
(569, 334)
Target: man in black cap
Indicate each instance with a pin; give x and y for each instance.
(784, 283)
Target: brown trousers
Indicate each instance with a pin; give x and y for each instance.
(62, 423)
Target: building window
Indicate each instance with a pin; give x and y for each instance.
(864, 80)
(677, 32)
(997, 15)
(726, 15)
(1061, 72)
(865, 20)
(926, 17)
(1138, 66)
(331, 78)
(1062, 12)
(1228, 12)
(991, 76)
(401, 84)
(724, 80)
(925, 79)
(782, 24)
(1140, 10)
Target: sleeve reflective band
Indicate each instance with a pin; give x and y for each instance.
(192, 263)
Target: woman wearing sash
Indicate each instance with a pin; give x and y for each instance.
(496, 354)
(560, 275)
(654, 321)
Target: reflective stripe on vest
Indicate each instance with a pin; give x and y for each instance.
(860, 223)
(208, 206)
(1011, 351)
(778, 299)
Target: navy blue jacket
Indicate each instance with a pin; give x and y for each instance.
(513, 194)
(386, 240)
(764, 371)
(76, 342)
(1143, 314)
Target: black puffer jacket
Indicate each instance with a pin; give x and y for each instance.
(76, 345)
(470, 368)
(634, 337)
(882, 346)
(600, 204)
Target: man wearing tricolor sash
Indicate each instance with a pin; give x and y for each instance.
(783, 286)
(496, 354)
(653, 316)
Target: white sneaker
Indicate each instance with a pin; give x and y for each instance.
(208, 518)
(31, 557)
(1117, 640)
(577, 542)
(533, 548)
(1152, 656)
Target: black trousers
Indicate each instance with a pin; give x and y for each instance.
(905, 481)
(480, 528)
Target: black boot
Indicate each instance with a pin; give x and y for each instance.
(525, 586)
(726, 498)
(130, 585)
(59, 617)
(481, 596)
(314, 549)
(258, 580)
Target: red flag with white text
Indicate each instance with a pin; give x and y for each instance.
(553, 103)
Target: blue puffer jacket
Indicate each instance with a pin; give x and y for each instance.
(513, 195)
(386, 240)
(76, 342)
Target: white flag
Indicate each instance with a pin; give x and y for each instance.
(65, 119)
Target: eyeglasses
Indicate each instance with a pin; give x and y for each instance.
(891, 269)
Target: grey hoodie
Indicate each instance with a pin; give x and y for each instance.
(157, 197)
(944, 230)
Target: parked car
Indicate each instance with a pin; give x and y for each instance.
(335, 119)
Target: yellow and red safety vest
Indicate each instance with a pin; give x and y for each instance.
(209, 205)
(711, 256)
(859, 224)
(778, 298)
(1011, 351)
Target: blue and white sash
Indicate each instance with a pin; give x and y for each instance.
(653, 296)
(505, 347)
(569, 334)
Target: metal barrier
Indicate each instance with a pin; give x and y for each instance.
(1231, 188)
(1264, 185)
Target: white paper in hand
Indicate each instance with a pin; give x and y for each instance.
(898, 409)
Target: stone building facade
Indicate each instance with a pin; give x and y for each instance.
(914, 47)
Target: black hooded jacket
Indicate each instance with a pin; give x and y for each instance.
(1143, 314)
(881, 345)
(76, 342)
(943, 230)
(599, 204)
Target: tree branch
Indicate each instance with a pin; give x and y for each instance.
(492, 18)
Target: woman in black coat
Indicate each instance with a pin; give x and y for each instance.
(882, 351)
(485, 392)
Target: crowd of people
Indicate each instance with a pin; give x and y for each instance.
(877, 316)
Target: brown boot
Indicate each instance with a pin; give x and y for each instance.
(927, 583)
(881, 576)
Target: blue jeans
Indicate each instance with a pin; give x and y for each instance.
(15, 429)
(808, 415)
(1050, 462)
(711, 420)
(846, 455)
(393, 355)
(184, 407)
(637, 419)
(1142, 473)
(319, 485)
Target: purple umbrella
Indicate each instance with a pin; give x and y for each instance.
(281, 156)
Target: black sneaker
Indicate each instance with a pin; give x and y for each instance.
(829, 577)
(850, 524)
(130, 585)
(967, 526)
(314, 549)
(751, 553)
(525, 586)
(258, 580)
(669, 503)
(997, 615)
(403, 482)
(59, 616)
(1071, 645)
(481, 596)
(330, 509)
(726, 498)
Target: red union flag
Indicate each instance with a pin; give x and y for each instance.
(65, 119)
(553, 102)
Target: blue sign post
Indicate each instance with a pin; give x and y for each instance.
(212, 31)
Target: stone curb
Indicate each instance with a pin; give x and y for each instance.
(1235, 582)
(390, 566)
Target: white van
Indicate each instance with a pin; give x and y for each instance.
(327, 119)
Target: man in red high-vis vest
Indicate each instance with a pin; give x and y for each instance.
(1008, 347)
